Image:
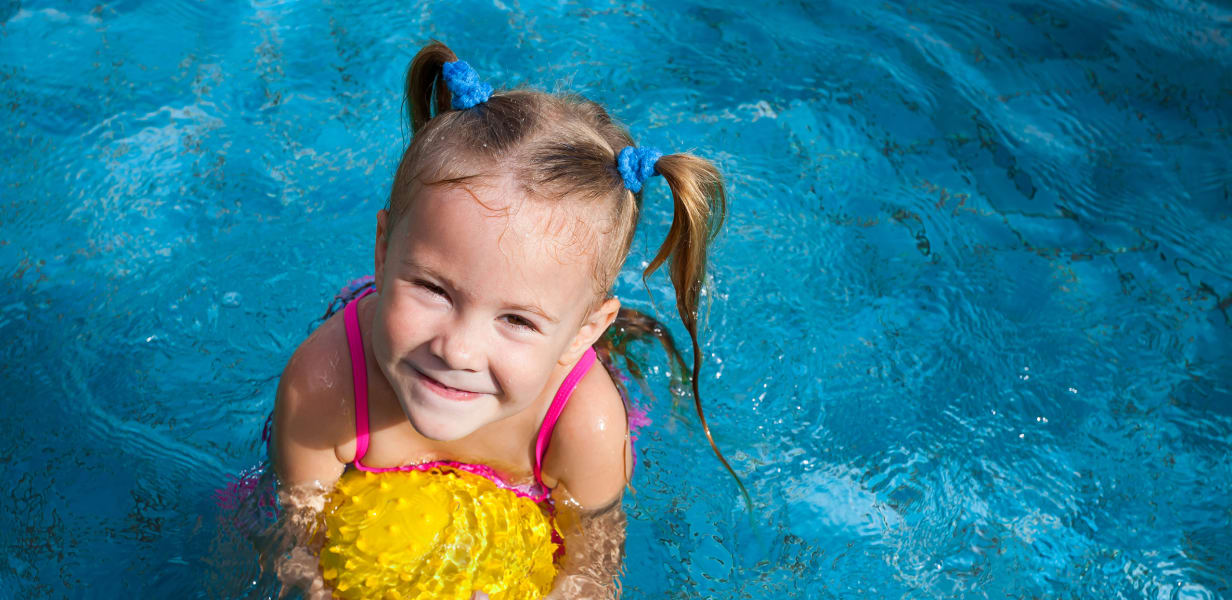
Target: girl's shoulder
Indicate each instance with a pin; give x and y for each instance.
(590, 453)
(313, 410)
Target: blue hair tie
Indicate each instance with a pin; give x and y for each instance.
(636, 165)
(464, 85)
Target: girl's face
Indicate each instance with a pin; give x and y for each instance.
(482, 294)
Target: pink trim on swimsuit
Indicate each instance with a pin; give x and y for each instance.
(359, 374)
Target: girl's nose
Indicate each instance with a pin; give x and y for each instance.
(459, 347)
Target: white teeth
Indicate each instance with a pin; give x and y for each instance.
(456, 389)
(424, 374)
(446, 385)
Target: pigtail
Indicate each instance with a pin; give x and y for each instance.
(700, 205)
(426, 92)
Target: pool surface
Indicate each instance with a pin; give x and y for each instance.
(970, 326)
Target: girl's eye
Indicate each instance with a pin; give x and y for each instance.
(431, 288)
(520, 322)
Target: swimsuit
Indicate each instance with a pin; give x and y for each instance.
(538, 491)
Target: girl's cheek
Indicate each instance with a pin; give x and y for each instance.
(523, 368)
(400, 321)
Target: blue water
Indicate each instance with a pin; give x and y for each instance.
(970, 330)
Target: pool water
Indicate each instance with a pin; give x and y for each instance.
(970, 324)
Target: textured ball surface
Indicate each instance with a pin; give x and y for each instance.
(440, 533)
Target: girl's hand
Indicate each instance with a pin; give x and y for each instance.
(479, 596)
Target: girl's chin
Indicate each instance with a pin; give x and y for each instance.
(438, 425)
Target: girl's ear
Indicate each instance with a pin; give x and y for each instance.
(382, 242)
(592, 329)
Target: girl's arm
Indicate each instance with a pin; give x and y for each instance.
(309, 411)
(312, 410)
(591, 460)
(595, 548)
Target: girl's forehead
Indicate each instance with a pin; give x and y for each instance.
(499, 205)
(489, 235)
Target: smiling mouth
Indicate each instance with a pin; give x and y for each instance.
(440, 389)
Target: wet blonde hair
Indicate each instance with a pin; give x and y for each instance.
(563, 148)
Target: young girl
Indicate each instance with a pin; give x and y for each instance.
(510, 216)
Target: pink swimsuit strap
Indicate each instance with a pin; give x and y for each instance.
(559, 401)
(359, 376)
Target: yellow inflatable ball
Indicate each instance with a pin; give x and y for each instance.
(439, 533)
